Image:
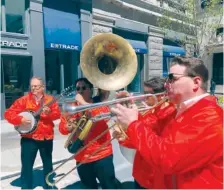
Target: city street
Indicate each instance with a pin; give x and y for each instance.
(10, 162)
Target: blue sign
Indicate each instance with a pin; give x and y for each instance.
(61, 30)
(138, 46)
(172, 51)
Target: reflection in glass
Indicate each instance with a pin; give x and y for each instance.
(15, 16)
(16, 73)
(136, 85)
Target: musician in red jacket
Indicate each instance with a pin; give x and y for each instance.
(99, 166)
(160, 115)
(42, 138)
(189, 152)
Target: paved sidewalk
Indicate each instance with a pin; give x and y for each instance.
(11, 166)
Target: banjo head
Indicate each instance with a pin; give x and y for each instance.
(25, 129)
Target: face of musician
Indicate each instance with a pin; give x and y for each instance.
(36, 87)
(182, 87)
(84, 89)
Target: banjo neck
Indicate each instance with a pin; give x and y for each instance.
(38, 112)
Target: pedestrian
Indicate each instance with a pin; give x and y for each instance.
(212, 87)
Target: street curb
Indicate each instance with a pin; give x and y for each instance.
(37, 167)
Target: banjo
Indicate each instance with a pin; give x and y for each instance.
(34, 117)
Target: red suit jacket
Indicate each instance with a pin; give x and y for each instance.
(143, 172)
(189, 152)
(96, 130)
(45, 125)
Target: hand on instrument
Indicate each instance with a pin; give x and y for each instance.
(71, 124)
(46, 110)
(80, 99)
(25, 121)
(125, 115)
(123, 94)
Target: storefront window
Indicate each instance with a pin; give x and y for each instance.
(61, 69)
(166, 65)
(15, 16)
(16, 73)
(218, 68)
(136, 85)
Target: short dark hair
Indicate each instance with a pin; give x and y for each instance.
(194, 67)
(84, 80)
(156, 83)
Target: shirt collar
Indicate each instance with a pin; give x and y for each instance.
(190, 102)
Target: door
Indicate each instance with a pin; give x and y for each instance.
(61, 69)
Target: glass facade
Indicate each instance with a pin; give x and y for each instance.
(15, 75)
(218, 68)
(136, 85)
(15, 15)
(61, 69)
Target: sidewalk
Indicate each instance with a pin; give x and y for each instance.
(11, 166)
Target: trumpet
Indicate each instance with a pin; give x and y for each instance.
(141, 105)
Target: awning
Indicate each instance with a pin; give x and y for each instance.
(138, 46)
(61, 30)
(172, 51)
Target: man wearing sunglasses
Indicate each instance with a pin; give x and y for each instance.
(189, 152)
(159, 116)
(42, 138)
(99, 166)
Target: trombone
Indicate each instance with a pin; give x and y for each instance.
(109, 62)
(71, 109)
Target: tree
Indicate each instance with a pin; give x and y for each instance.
(198, 19)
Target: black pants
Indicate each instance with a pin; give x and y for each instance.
(138, 186)
(29, 148)
(103, 170)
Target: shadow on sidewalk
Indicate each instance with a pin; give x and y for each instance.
(79, 185)
(38, 179)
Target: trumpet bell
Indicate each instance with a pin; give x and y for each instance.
(108, 61)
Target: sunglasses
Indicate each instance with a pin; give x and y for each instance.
(81, 88)
(172, 78)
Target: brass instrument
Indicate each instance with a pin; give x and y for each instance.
(69, 108)
(110, 63)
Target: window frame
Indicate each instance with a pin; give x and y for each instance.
(26, 24)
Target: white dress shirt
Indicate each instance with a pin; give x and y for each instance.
(188, 103)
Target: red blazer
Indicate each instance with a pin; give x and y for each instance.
(143, 172)
(96, 130)
(189, 152)
(45, 127)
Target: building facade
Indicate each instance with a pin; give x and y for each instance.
(41, 38)
(44, 38)
(213, 56)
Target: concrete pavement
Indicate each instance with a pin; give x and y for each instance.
(11, 166)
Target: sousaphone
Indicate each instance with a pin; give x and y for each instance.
(108, 61)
